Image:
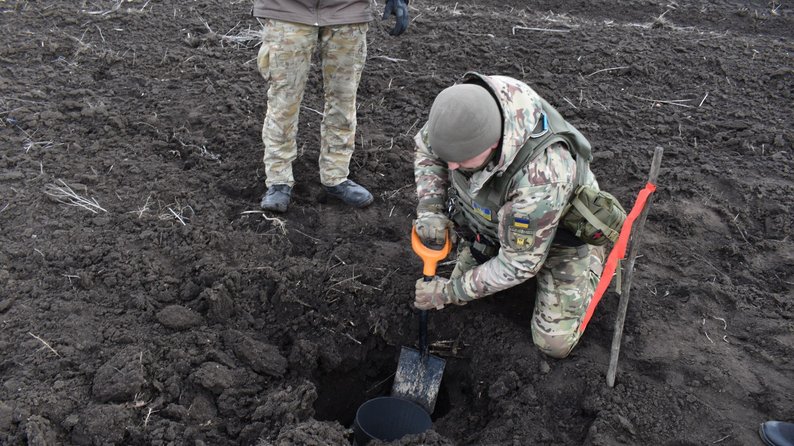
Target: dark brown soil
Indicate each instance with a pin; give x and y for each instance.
(171, 316)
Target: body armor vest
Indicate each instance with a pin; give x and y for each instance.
(478, 213)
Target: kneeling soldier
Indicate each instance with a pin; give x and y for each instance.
(499, 165)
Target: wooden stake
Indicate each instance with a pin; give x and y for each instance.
(634, 246)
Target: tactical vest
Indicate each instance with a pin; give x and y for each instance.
(479, 213)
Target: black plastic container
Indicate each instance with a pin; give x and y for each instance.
(388, 418)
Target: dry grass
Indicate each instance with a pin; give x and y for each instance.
(63, 193)
(117, 7)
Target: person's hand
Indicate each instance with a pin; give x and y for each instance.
(465, 262)
(398, 8)
(432, 294)
(432, 228)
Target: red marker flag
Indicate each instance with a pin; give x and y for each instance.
(618, 252)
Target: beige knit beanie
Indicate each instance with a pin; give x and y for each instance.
(464, 120)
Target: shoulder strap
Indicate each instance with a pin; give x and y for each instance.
(578, 145)
(552, 128)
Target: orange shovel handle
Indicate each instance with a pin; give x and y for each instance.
(430, 256)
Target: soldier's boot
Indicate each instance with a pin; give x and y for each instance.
(276, 198)
(350, 193)
(777, 433)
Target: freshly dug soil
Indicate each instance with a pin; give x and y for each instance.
(165, 309)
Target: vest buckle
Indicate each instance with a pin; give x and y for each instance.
(543, 126)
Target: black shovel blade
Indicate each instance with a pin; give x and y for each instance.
(418, 378)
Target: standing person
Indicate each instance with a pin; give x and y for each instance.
(292, 31)
(515, 168)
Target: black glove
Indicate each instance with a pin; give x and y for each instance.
(400, 10)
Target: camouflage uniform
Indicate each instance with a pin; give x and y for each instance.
(284, 60)
(527, 222)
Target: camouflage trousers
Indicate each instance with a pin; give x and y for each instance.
(284, 60)
(566, 284)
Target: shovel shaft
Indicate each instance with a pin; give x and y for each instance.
(423, 348)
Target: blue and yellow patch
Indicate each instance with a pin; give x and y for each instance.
(484, 212)
(521, 223)
(520, 231)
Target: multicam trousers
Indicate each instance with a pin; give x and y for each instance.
(566, 284)
(284, 60)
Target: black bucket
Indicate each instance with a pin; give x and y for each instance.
(388, 419)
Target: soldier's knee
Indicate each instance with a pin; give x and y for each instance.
(556, 351)
(556, 346)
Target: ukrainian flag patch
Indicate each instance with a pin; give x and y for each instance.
(521, 223)
(519, 231)
(484, 212)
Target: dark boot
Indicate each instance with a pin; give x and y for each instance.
(777, 433)
(276, 198)
(351, 193)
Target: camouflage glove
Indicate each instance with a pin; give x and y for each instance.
(434, 294)
(432, 228)
(399, 8)
(431, 223)
(466, 261)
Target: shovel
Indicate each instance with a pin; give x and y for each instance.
(419, 373)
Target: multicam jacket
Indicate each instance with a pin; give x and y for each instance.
(527, 222)
(315, 12)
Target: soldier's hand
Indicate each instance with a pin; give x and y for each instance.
(432, 294)
(398, 8)
(432, 228)
(465, 262)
